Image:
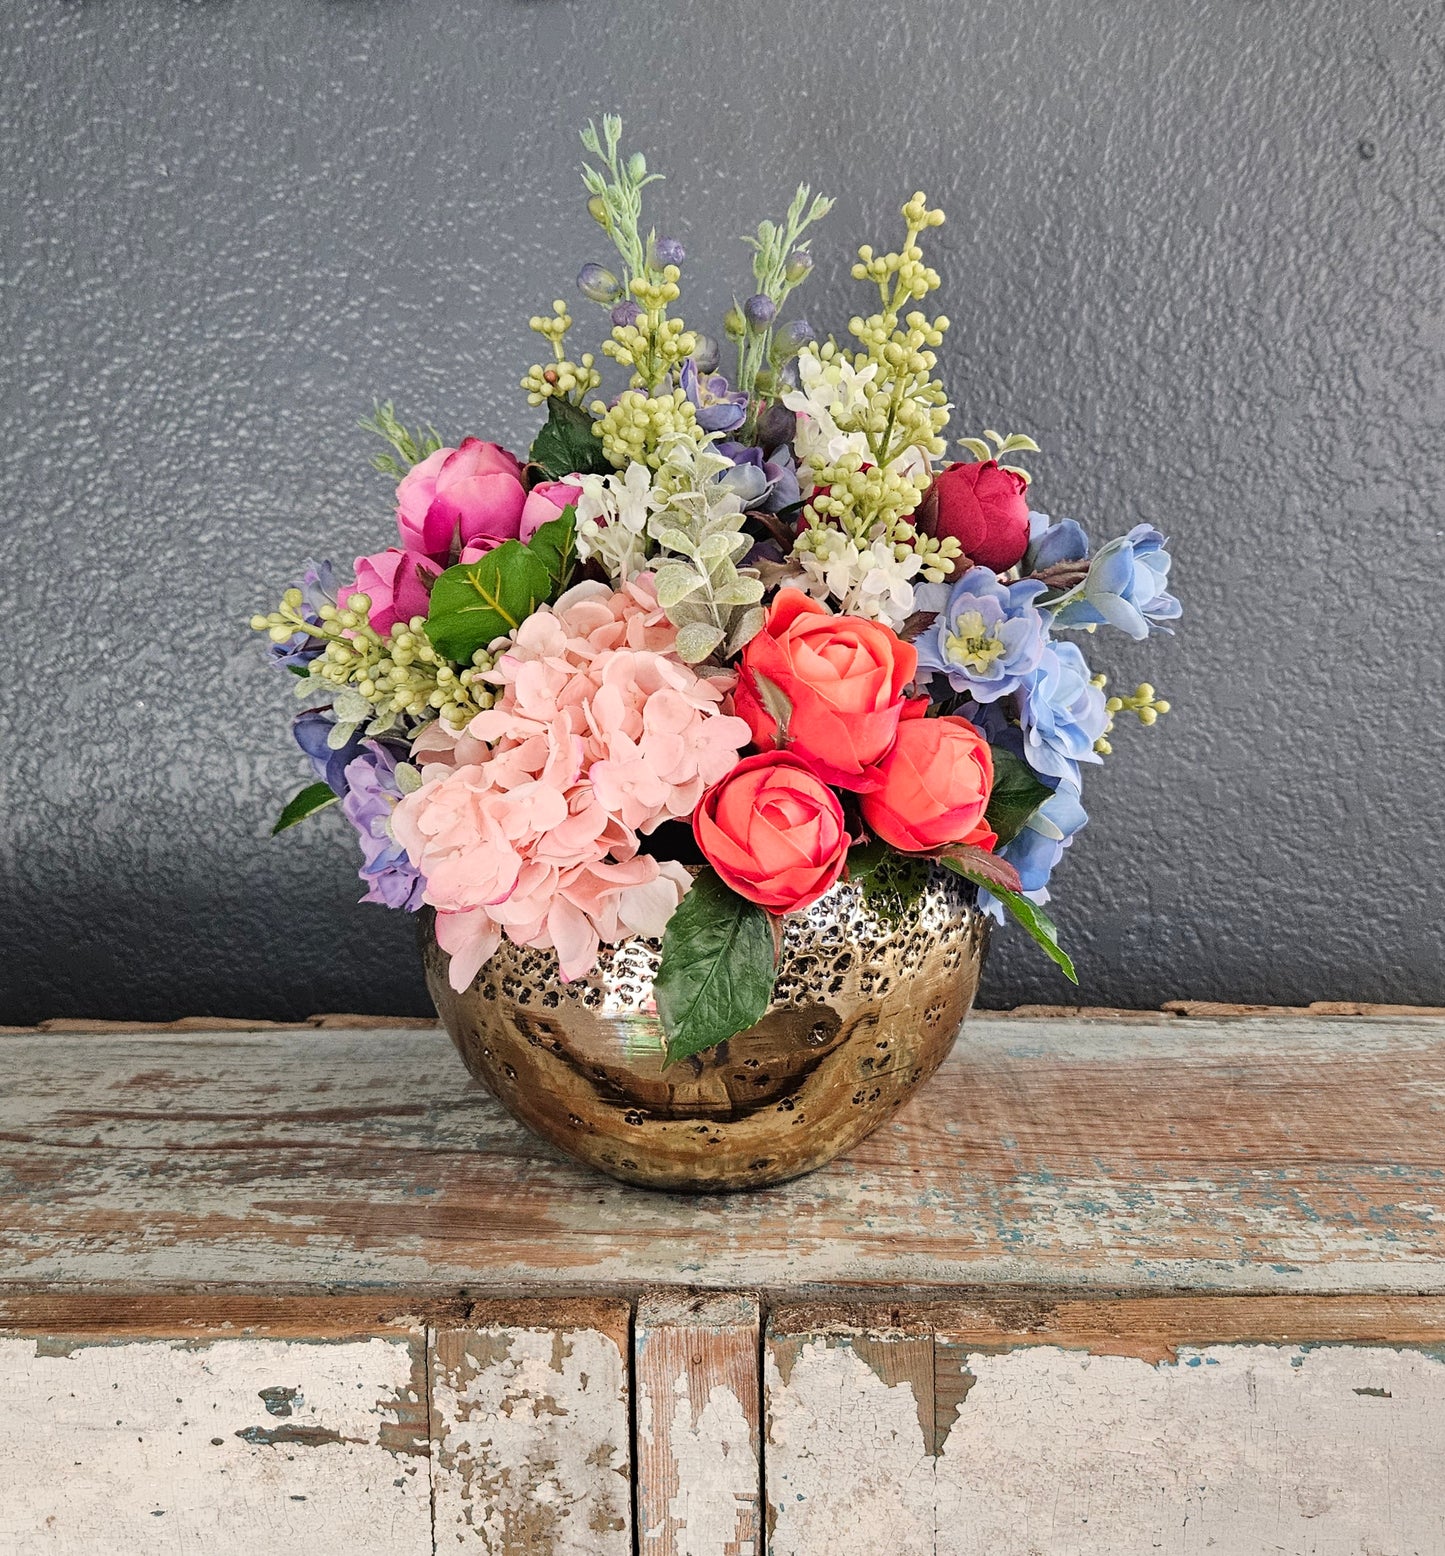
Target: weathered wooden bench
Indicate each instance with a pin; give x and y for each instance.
(1112, 1285)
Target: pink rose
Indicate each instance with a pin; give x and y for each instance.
(545, 502)
(459, 497)
(398, 584)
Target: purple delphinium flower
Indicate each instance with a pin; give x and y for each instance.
(1126, 587)
(1061, 713)
(762, 481)
(987, 636)
(318, 587)
(371, 795)
(312, 730)
(719, 408)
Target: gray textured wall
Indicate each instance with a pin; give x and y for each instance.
(1195, 247)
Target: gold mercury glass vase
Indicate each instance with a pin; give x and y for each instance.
(866, 1007)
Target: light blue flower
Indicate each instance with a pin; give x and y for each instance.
(1061, 713)
(1125, 587)
(1052, 544)
(987, 637)
(1039, 845)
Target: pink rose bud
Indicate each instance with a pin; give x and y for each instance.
(398, 584)
(545, 502)
(459, 496)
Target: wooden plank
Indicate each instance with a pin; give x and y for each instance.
(531, 1433)
(235, 1447)
(1117, 1154)
(850, 1427)
(1112, 1427)
(695, 1370)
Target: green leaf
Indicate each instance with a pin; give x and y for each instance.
(982, 867)
(485, 599)
(555, 546)
(314, 797)
(1029, 914)
(566, 445)
(1015, 796)
(776, 704)
(717, 969)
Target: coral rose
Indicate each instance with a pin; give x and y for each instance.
(985, 509)
(773, 830)
(935, 788)
(460, 497)
(398, 584)
(844, 677)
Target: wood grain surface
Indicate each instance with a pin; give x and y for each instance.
(695, 1372)
(1313, 1426)
(1301, 1153)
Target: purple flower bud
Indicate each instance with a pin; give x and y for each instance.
(799, 266)
(707, 354)
(760, 311)
(598, 284)
(626, 313)
(668, 251)
(791, 339)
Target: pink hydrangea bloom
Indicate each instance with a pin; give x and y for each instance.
(599, 733)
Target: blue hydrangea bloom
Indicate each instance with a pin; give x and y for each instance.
(1126, 587)
(1061, 713)
(719, 408)
(1050, 543)
(318, 587)
(371, 795)
(988, 635)
(311, 730)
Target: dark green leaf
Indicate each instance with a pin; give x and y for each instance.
(1029, 914)
(555, 545)
(1016, 795)
(566, 444)
(485, 599)
(314, 797)
(717, 969)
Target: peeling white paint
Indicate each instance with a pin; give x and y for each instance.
(717, 1474)
(156, 1448)
(1236, 1449)
(532, 1445)
(848, 1471)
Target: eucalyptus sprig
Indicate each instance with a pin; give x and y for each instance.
(408, 448)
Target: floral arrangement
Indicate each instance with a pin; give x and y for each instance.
(717, 641)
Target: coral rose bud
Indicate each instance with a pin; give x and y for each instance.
(935, 788)
(843, 678)
(985, 509)
(774, 831)
(457, 497)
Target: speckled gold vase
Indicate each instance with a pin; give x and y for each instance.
(864, 1011)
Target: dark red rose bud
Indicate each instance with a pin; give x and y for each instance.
(985, 509)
